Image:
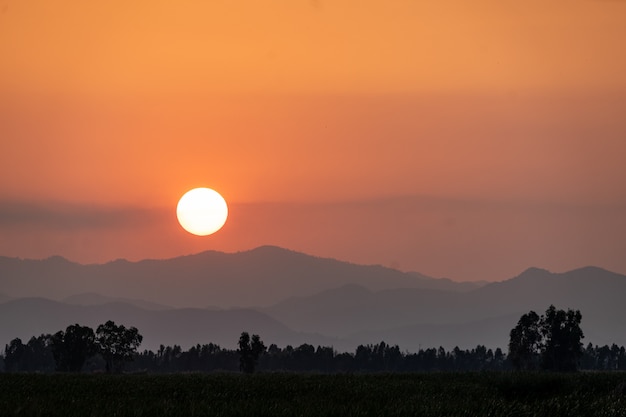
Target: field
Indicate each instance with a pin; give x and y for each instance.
(433, 394)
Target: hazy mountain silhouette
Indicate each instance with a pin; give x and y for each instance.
(93, 299)
(258, 277)
(412, 317)
(29, 317)
(297, 298)
(352, 308)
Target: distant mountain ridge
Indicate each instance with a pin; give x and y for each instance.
(419, 317)
(93, 299)
(259, 277)
(292, 298)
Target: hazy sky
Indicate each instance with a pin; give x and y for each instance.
(467, 139)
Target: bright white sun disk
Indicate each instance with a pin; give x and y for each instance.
(202, 211)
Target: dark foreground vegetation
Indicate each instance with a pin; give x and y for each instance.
(286, 394)
(549, 342)
(37, 356)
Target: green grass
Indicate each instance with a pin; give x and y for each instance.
(434, 394)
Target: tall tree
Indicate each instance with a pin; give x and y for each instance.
(249, 352)
(525, 342)
(14, 354)
(117, 344)
(39, 354)
(552, 341)
(562, 333)
(71, 348)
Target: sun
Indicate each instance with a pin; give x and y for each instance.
(202, 211)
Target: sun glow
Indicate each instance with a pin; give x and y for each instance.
(202, 211)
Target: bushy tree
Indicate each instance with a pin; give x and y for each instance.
(525, 342)
(34, 356)
(552, 341)
(14, 354)
(39, 353)
(249, 352)
(117, 344)
(71, 348)
(562, 334)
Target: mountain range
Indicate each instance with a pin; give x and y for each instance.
(293, 298)
(259, 277)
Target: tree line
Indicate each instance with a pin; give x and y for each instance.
(68, 351)
(551, 341)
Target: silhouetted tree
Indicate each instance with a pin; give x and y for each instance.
(362, 357)
(39, 355)
(14, 354)
(117, 344)
(249, 352)
(552, 340)
(499, 359)
(304, 357)
(34, 356)
(525, 342)
(621, 359)
(324, 358)
(71, 348)
(562, 333)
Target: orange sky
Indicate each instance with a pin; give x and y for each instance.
(460, 139)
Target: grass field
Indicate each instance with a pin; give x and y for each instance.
(433, 394)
